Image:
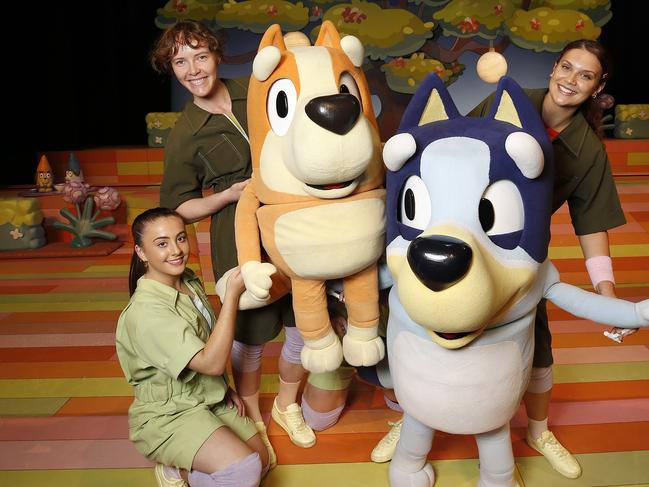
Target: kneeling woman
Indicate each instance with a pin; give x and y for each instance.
(174, 353)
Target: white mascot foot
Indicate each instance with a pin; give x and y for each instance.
(362, 346)
(423, 478)
(322, 354)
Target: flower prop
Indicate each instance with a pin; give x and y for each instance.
(85, 224)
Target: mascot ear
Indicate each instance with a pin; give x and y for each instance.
(269, 54)
(529, 148)
(328, 36)
(512, 105)
(431, 103)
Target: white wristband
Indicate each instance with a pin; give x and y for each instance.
(600, 268)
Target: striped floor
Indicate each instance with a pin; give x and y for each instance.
(63, 400)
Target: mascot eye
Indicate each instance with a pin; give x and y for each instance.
(347, 84)
(501, 209)
(280, 106)
(414, 204)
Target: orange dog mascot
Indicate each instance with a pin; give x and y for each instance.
(315, 202)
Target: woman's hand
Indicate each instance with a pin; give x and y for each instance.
(232, 399)
(235, 285)
(234, 191)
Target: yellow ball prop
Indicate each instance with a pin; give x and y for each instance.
(491, 66)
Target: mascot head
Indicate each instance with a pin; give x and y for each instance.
(312, 128)
(468, 210)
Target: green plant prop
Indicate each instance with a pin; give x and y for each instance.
(85, 224)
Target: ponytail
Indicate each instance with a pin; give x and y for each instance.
(138, 266)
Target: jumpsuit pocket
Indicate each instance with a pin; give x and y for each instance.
(222, 159)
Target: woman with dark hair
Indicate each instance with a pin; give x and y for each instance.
(174, 352)
(208, 151)
(571, 108)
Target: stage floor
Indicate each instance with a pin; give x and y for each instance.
(63, 400)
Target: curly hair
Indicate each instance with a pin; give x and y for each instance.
(183, 33)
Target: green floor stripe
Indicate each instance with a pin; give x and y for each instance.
(600, 372)
(64, 388)
(46, 406)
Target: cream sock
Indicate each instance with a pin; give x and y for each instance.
(536, 428)
(252, 406)
(287, 393)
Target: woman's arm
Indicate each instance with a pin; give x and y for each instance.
(596, 245)
(198, 208)
(212, 360)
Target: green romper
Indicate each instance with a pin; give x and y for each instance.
(175, 409)
(582, 177)
(206, 151)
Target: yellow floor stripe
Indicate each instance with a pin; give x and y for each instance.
(46, 406)
(600, 372)
(599, 469)
(101, 477)
(574, 252)
(85, 387)
(73, 306)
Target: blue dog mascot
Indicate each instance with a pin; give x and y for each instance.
(468, 212)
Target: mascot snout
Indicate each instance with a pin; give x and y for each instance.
(439, 261)
(335, 113)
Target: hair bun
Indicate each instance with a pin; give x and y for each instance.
(605, 101)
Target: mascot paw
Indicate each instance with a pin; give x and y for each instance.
(323, 354)
(246, 301)
(423, 478)
(643, 307)
(362, 347)
(256, 276)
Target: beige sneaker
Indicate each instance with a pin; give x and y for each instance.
(555, 453)
(293, 423)
(164, 481)
(384, 449)
(263, 434)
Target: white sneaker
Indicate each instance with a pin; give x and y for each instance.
(263, 434)
(384, 449)
(555, 453)
(166, 481)
(293, 423)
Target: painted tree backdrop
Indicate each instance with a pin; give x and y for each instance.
(406, 39)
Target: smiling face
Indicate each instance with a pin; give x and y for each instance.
(575, 78)
(196, 69)
(164, 248)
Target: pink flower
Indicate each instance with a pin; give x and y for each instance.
(580, 24)
(107, 198)
(535, 24)
(75, 192)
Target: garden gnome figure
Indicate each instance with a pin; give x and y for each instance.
(44, 176)
(73, 172)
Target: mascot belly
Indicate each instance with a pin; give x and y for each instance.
(315, 206)
(469, 208)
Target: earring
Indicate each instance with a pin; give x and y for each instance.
(595, 95)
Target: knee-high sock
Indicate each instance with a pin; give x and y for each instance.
(244, 473)
(320, 421)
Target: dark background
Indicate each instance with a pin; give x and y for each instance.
(77, 76)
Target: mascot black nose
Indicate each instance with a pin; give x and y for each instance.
(439, 261)
(336, 113)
